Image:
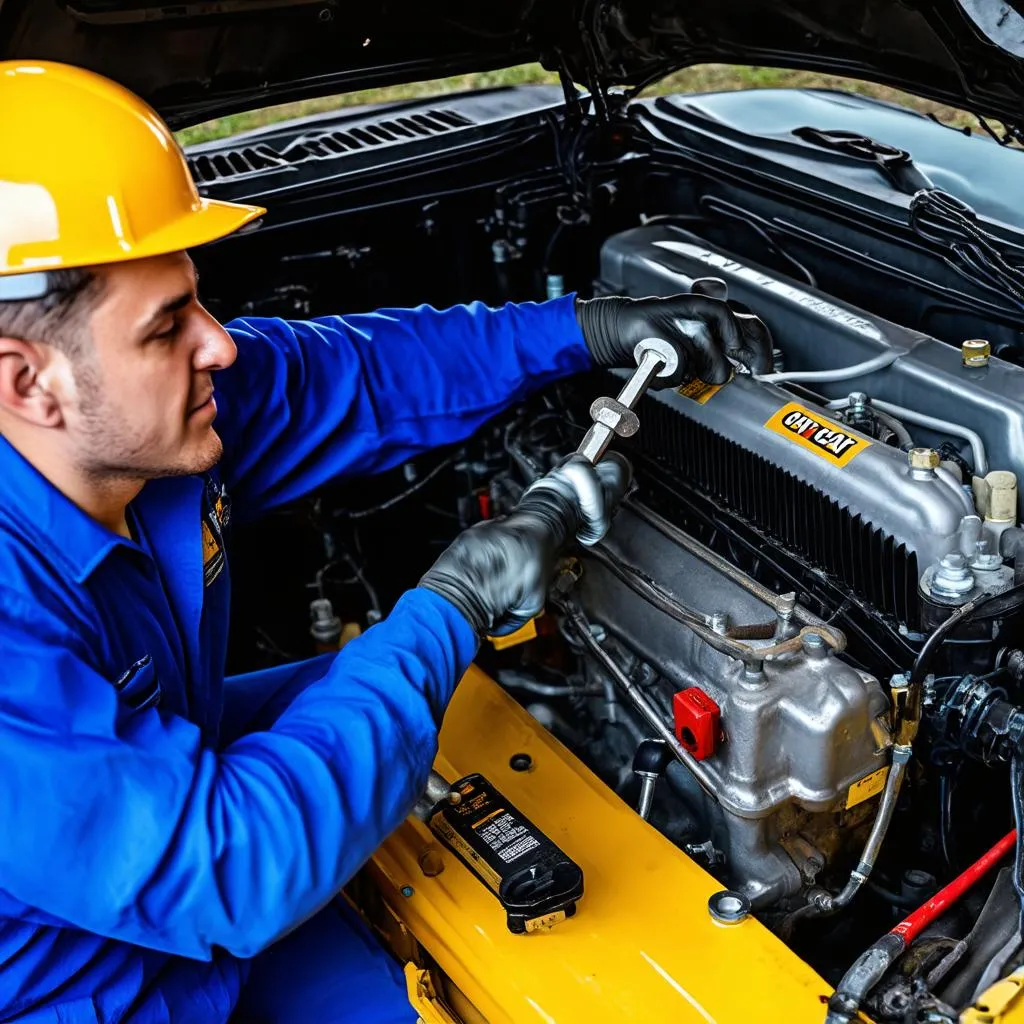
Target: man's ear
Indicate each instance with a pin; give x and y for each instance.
(33, 381)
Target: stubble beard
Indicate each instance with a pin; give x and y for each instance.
(110, 451)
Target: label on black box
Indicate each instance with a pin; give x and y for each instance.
(536, 883)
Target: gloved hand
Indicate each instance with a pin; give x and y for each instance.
(702, 329)
(497, 572)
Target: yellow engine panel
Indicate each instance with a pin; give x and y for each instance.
(641, 947)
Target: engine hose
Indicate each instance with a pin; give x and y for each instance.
(823, 904)
(870, 967)
(879, 362)
(932, 423)
(1017, 793)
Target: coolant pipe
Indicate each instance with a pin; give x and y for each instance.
(831, 376)
(932, 423)
(828, 904)
(871, 965)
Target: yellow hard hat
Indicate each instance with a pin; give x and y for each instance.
(90, 174)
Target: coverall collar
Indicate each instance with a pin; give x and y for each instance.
(71, 537)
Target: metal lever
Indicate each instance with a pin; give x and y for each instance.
(611, 416)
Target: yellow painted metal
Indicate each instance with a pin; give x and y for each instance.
(1002, 1003)
(642, 946)
(424, 997)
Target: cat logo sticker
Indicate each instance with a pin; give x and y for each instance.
(829, 440)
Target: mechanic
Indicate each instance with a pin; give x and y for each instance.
(175, 842)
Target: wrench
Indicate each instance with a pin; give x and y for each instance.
(611, 416)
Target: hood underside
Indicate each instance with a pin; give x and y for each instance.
(203, 58)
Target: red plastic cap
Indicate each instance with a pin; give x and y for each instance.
(698, 720)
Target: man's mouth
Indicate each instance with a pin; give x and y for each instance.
(204, 404)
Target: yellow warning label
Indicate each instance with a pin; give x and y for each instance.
(700, 392)
(443, 829)
(835, 443)
(864, 789)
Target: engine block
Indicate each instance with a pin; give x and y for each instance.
(803, 740)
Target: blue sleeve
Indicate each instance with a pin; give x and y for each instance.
(308, 401)
(153, 839)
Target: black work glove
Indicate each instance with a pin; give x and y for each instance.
(703, 330)
(497, 572)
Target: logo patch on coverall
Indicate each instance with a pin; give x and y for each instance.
(835, 443)
(216, 516)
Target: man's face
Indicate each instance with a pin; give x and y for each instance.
(144, 404)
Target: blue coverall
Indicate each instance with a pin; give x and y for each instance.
(145, 862)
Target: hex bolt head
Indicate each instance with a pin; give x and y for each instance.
(975, 353)
(923, 458)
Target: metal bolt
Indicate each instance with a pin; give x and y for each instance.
(719, 622)
(857, 400)
(520, 762)
(814, 646)
(431, 862)
(407, 891)
(985, 560)
(923, 458)
(728, 907)
(975, 352)
(952, 579)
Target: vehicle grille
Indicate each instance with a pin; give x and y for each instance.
(231, 164)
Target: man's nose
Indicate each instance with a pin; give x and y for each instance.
(216, 350)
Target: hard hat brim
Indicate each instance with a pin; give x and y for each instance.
(207, 221)
(211, 221)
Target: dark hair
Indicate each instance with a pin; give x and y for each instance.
(59, 317)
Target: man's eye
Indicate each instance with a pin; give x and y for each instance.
(167, 335)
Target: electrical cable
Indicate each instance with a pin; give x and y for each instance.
(931, 646)
(872, 964)
(407, 493)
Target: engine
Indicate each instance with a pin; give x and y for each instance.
(786, 741)
(745, 629)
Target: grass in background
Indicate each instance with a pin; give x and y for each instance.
(703, 78)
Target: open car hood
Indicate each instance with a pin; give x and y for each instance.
(200, 58)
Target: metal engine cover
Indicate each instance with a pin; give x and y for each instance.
(803, 734)
(851, 505)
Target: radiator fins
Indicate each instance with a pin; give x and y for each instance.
(799, 517)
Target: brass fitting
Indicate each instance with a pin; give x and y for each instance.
(975, 352)
(923, 458)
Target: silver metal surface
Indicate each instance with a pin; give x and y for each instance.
(819, 332)
(728, 907)
(648, 711)
(921, 511)
(613, 416)
(797, 735)
(648, 783)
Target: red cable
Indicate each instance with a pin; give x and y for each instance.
(910, 927)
